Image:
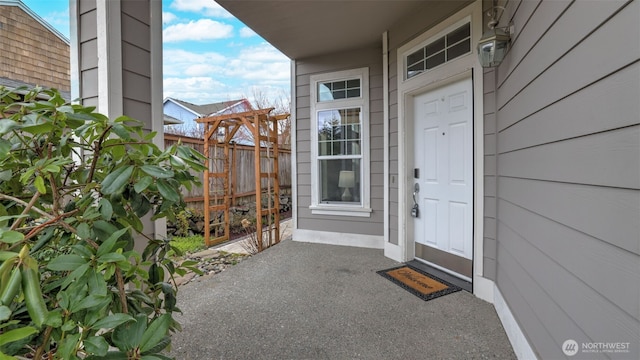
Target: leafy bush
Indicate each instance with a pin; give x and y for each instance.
(76, 189)
(188, 244)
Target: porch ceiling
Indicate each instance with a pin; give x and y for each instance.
(304, 28)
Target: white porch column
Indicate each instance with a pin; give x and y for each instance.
(116, 63)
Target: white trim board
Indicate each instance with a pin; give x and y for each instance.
(343, 239)
(518, 341)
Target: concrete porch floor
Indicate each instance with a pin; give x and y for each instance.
(311, 301)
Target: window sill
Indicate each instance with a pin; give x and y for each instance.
(340, 211)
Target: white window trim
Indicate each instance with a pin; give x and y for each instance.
(358, 210)
(428, 37)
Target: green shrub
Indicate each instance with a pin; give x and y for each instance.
(74, 188)
(189, 244)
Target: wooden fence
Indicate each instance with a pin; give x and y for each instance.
(242, 174)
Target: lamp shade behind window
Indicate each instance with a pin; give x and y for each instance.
(347, 180)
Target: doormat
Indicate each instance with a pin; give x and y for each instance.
(419, 283)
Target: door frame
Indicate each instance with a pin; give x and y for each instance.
(457, 69)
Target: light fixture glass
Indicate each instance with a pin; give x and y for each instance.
(492, 47)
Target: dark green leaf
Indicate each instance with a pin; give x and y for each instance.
(106, 210)
(111, 257)
(39, 128)
(67, 346)
(90, 302)
(6, 174)
(143, 184)
(54, 318)
(96, 345)
(116, 180)
(5, 313)
(75, 274)
(83, 231)
(128, 335)
(157, 330)
(103, 229)
(108, 244)
(97, 284)
(16, 334)
(111, 355)
(66, 263)
(7, 125)
(11, 237)
(5, 147)
(167, 191)
(112, 321)
(157, 171)
(121, 131)
(39, 184)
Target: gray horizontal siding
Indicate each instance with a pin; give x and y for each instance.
(88, 52)
(136, 60)
(563, 150)
(304, 69)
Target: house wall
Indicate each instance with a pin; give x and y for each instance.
(88, 52)
(119, 66)
(136, 60)
(31, 53)
(562, 155)
(371, 58)
(178, 112)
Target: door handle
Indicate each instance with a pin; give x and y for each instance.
(415, 210)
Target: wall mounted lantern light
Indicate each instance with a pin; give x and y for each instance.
(494, 44)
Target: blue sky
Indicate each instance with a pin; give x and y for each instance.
(209, 56)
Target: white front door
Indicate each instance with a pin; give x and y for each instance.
(443, 171)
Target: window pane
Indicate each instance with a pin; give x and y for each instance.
(435, 60)
(324, 92)
(353, 84)
(336, 126)
(340, 181)
(353, 93)
(458, 34)
(435, 47)
(459, 49)
(328, 91)
(415, 57)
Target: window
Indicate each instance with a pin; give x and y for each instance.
(453, 45)
(339, 149)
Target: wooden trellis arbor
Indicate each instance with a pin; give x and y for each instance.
(219, 132)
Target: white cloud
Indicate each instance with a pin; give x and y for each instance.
(211, 77)
(204, 7)
(178, 63)
(168, 17)
(198, 90)
(247, 32)
(199, 30)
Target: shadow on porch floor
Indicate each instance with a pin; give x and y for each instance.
(310, 301)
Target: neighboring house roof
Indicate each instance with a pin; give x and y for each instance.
(208, 109)
(170, 120)
(242, 137)
(14, 84)
(30, 12)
